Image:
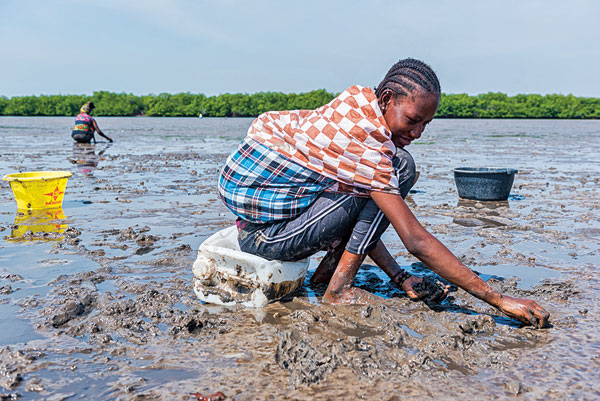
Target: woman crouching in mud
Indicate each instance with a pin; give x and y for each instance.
(334, 178)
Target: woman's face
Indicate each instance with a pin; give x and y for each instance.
(407, 116)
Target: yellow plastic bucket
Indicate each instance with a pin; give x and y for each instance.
(38, 189)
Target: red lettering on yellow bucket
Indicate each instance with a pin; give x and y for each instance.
(54, 195)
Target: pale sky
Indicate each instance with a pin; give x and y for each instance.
(213, 47)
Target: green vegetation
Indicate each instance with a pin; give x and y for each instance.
(490, 105)
(499, 105)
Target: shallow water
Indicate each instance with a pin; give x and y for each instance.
(106, 308)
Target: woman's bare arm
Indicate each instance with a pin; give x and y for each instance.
(437, 257)
(95, 125)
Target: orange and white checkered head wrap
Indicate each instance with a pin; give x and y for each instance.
(346, 140)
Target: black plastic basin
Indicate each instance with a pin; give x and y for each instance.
(484, 183)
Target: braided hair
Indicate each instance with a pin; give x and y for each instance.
(408, 74)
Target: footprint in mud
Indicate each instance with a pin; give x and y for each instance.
(144, 250)
(305, 362)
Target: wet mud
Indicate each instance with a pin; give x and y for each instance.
(110, 297)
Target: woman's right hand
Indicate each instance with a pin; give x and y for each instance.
(408, 287)
(526, 311)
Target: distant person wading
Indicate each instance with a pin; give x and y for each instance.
(85, 126)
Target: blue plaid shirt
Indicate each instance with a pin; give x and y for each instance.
(259, 185)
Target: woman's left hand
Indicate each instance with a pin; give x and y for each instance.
(526, 311)
(408, 287)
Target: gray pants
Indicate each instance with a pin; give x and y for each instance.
(330, 221)
(83, 138)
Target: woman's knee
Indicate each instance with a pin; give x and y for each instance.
(369, 227)
(406, 171)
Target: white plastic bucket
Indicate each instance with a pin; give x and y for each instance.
(225, 275)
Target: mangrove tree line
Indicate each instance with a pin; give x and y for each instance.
(489, 105)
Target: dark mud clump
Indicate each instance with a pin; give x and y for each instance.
(6, 289)
(11, 277)
(14, 364)
(72, 309)
(429, 285)
(131, 234)
(144, 241)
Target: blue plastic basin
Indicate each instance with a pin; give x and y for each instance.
(484, 183)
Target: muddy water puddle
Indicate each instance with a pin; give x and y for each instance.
(103, 308)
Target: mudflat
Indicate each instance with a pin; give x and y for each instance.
(97, 302)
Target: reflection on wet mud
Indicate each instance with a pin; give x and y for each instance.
(482, 214)
(475, 204)
(85, 156)
(44, 225)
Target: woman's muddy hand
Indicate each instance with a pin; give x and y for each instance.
(408, 287)
(410, 284)
(526, 311)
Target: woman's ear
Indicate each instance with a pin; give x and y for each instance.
(385, 99)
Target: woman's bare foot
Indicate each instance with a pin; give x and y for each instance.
(341, 289)
(352, 295)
